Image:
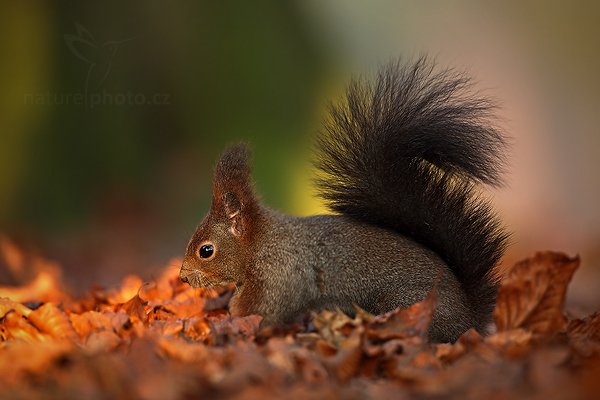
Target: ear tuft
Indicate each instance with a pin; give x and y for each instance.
(233, 193)
(233, 167)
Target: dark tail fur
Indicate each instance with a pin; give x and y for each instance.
(406, 153)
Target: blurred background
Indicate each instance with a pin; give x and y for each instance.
(113, 113)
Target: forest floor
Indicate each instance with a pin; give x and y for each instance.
(164, 340)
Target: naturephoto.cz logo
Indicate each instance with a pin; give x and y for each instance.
(99, 58)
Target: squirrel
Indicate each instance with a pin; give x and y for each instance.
(400, 160)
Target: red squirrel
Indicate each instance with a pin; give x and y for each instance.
(400, 160)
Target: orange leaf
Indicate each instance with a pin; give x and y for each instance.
(197, 328)
(7, 306)
(93, 321)
(16, 327)
(130, 287)
(588, 328)
(44, 287)
(403, 323)
(135, 308)
(23, 357)
(333, 326)
(168, 328)
(190, 307)
(532, 295)
(103, 341)
(514, 343)
(244, 327)
(181, 350)
(584, 335)
(49, 319)
(345, 364)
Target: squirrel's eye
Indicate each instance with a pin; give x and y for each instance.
(206, 250)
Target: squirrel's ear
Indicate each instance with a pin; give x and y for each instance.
(233, 194)
(233, 211)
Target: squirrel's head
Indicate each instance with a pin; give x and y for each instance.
(222, 245)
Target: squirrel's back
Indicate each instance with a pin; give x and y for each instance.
(335, 262)
(405, 153)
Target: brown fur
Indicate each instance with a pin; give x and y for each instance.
(400, 164)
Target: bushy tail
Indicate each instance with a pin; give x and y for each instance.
(406, 153)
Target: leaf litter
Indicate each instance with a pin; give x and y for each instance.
(165, 340)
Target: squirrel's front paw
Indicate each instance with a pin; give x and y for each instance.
(234, 305)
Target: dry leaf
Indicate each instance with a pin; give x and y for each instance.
(15, 326)
(49, 319)
(168, 328)
(90, 321)
(197, 329)
(7, 305)
(102, 342)
(402, 323)
(135, 308)
(188, 346)
(514, 343)
(130, 287)
(532, 295)
(181, 350)
(450, 352)
(345, 364)
(21, 357)
(190, 307)
(333, 326)
(245, 327)
(584, 335)
(44, 287)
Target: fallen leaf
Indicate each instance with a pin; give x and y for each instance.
(135, 308)
(15, 326)
(197, 329)
(450, 352)
(514, 343)
(89, 321)
(532, 295)
(44, 287)
(164, 339)
(402, 323)
(102, 342)
(21, 357)
(334, 326)
(245, 327)
(7, 305)
(52, 321)
(181, 350)
(190, 307)
(130, 287)
(345, 364)
(584, 335)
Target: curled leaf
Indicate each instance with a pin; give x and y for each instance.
(52, 321)
(7, 305)
(403, 323)
(532, 295)
(135, 308)
(584, 335)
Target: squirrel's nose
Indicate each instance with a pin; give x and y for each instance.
(183, 279)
